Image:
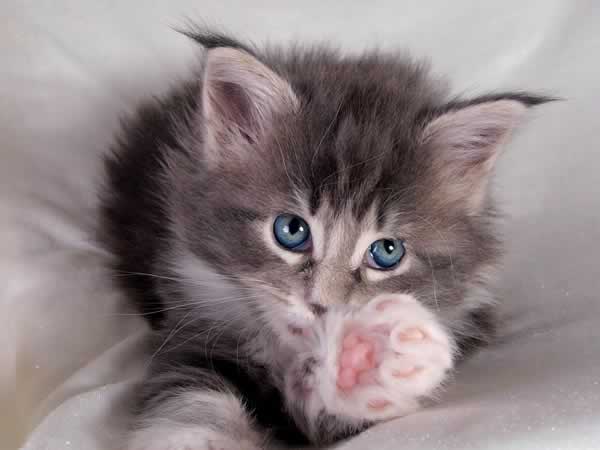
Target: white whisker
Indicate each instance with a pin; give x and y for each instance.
(172, 333)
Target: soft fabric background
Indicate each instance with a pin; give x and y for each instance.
(71, 349)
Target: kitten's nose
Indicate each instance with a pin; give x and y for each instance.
(317, 309)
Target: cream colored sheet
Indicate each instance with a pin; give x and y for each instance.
(69, 68)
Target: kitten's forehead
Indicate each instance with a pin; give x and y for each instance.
(347, 165)
(340, 236)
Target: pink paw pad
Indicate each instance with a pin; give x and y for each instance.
(360, 359)
(357, 359)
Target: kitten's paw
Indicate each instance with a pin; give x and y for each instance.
(388, 355)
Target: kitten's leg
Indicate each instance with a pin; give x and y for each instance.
(175, 417)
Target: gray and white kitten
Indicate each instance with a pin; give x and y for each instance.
(311, 237)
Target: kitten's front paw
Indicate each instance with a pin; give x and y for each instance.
(388, 355)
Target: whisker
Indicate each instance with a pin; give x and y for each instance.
(237, 279)
(179, 279)
(171, 334)
(196, 303)
(216, 324)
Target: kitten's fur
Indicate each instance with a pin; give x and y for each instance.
(362, 147)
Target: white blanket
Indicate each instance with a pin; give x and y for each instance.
(71, 349)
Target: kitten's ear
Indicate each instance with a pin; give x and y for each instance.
(240, 98)
(465, 142)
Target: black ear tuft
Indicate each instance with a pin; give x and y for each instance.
(528, 99)
(210, 39)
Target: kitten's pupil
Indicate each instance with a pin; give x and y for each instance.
(294, 227)
(389, 246)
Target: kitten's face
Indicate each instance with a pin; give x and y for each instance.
(303, 258)
(330, 190)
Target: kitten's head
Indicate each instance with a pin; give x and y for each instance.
(313, 181)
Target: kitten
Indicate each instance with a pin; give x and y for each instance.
(311, 238)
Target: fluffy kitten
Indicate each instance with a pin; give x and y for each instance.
(311, 238)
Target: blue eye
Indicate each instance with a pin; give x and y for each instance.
(292, 232)
(385, 254)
